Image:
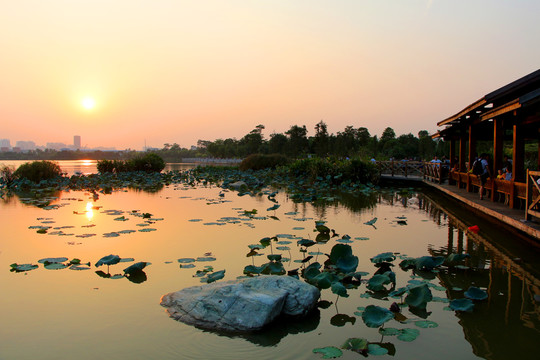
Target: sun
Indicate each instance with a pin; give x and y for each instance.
(88, 103)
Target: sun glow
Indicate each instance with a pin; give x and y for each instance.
(88, 103)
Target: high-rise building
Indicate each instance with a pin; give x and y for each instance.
(26, 145)
(5, 143)
(77, 142)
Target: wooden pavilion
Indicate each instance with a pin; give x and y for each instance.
(509, 114)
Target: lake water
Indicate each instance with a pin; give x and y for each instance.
(85, 314)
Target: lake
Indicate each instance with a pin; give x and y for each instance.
(59, 313)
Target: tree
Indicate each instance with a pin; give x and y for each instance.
(321, 139)
(298, 142)
(277, 143)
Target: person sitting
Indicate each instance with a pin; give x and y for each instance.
(500, 175)
(508, 174)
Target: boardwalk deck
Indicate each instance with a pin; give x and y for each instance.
(514, 218)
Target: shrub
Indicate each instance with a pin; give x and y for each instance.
(7, 174)
(148, 162)
(337, 171)
(261, 161)
(38, 170)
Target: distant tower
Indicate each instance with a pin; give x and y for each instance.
(77, 142)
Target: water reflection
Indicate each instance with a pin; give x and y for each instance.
(512, 285)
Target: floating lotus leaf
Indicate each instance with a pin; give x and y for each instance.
(344, 241)
(329, 352)
(398, 292)
(53, 260)
(462, 305)
(440, 299)
(475, 293)
(265, 241)
(428, 263)
(374, 316)
(195, 220)
(323, 229)
(108, 260)
(218, 275)
(388, 331)
(341, 255)
(126, 260)
(284, 242)
(187, 266)
(255, 246)
(408, 334)
(42, 231)
(126, 231)
(356, 344)
(374, 349)
(377, 282)
(275, 207)
(419, 296)
(55, 266)
(135, 268)
(339, 289)
(23, 267)
(426, 324)
(408, 263)
(79, 267)
(322, 238)
(206, 258)
(384, 257)
(111, 234)
(297, 228)
(361, 238)
(147, 229)
(186, 260)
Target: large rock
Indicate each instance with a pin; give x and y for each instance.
(241, 305)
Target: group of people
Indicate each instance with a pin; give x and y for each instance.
(502, 174)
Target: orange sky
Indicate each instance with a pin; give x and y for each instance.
(171, 71)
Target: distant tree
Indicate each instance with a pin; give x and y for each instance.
(277, 143)
(426, 145)
(321, 139)
(252, 142)
(298, 142)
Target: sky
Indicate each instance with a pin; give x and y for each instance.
(173, 71)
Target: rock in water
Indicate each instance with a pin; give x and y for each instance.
(241, 305)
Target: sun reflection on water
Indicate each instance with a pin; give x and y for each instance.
(89, 210)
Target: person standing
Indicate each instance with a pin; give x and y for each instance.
(485, 173)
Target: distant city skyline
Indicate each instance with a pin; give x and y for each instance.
(25, 145)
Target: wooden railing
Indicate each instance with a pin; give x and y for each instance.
(433, 172)
(532, 197)
(401, 168)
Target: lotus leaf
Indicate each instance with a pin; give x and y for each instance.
(426, 324)
(329, 352)
(384, 257)
(408, 263)
(207, 258)
(408, 334)
(274, 257)
(371, 222)
(53, 260)
(23, 267)
(323, 229)
(108, 260)
(147, 229)
(377, 282)
(186, 260)
(132, 269)
(454, 258)
(273, 268)
(428, 263)
(79, 267)
(344, 241)
(398, 292)
(210, 278)
(461, 305)
(374, 316)
(388, 331)
(306, 242)
(356, 344)
(252, 269)
(54, 266)
(323, 280)
(475, 293)
(187, 266)
(127, 260)
(419, 296)
(275, 207)
(374, 349)
(339, 289)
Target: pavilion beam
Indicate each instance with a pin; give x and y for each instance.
(518, 157)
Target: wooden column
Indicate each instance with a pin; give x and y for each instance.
(462, 152)
(452, 161)
(538, 137)
(498, 138)
(518, 158)
(472, 146)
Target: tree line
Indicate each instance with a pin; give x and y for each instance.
(351, 142)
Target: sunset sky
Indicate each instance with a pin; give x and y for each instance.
(121, 72)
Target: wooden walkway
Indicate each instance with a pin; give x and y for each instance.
(498, 211)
